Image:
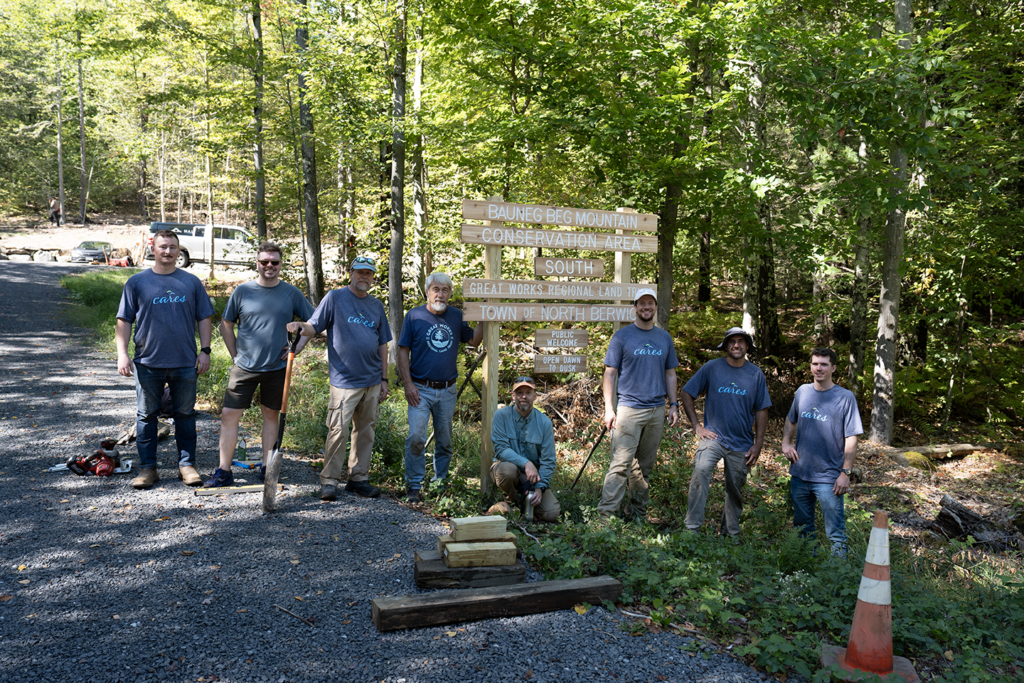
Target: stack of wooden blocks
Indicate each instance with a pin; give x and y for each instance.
(479, 552)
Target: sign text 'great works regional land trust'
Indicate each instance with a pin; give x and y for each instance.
(473, 288)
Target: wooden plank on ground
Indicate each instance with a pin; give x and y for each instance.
(479, 554)
(431, 572)
(507, 537)
(540, 214)
(566, 339)
(546, 266)
(478, 528)
(475, 311)
(228, 490)
(507, 236)
(433, 609)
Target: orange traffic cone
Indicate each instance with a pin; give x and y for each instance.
(870, 648)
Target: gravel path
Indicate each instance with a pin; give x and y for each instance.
(99, 582)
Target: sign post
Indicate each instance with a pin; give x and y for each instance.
(492, 361)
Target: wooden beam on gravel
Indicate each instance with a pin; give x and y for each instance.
(431, 572)
(433, 609)
(228, 490)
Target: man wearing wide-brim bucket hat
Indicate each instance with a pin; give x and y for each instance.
(736, 397)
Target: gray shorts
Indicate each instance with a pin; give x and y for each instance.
(242, 385)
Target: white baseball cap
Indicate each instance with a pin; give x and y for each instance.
(645, 292)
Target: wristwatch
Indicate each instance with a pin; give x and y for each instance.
(206, 350)
(846, 471)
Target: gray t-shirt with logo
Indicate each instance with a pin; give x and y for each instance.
(823, 420)
(641, 357)
(355, 326)
(733, 396)
(165, 310)
(261, 314)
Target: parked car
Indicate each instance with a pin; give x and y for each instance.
(87, 252)
(232, 243)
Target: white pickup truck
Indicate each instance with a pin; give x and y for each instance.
(231, 243)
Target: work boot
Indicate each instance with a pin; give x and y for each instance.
(219, 478)
(413, 496)
(190, 476)
(362, 488)
(147, 477)
(328, 492)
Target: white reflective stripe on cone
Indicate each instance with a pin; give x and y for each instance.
(874, 592)
(878, 547)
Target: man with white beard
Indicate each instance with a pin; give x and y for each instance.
(428, 353)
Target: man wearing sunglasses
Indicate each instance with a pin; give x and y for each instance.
(428, 354)
(357, 356)
(642, 358)
(260, 308)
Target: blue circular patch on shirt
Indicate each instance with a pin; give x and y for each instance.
(439, 338)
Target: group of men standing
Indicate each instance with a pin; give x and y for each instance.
(167, 305)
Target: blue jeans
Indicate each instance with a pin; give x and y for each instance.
(803, 494)
(439, 404)
(149, 389)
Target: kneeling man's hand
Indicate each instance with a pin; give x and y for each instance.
(532, 475)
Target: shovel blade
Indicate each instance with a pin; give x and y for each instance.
(270, 480)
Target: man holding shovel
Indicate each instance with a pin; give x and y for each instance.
(260, 308)
(357, 355)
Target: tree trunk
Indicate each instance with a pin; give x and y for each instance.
(211, 244)
(822, 320)
(419, 171)
(257, 114)
(704, 265)
(667, 230)
(396, 303)
(884, 397)
(143, 164)
(163, 174)
(859, 299)
(752, 267)
(309, 188)
(81, 133)
(60, 141)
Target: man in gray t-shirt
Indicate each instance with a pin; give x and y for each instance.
(260, 309)
(357, 356)
(166, 305)
(826, 421)
(737, 395)
(643, 360)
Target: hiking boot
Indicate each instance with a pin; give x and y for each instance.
(413, 496)
(261, 473)
(501, 508)
(219, 478)
(328, 492)
(147, 477)
(189, 476)
(362, 488)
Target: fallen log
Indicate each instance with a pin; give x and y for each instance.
(449, 607)
(956, 520)
(957, 450)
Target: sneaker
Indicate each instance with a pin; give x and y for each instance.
(147, 477)
(328, 492)
(189, 476)
(362, 488)
(413, 496)
(219, 478)
(261, 474)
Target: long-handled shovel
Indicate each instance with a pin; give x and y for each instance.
(274, 459)
(604, 430)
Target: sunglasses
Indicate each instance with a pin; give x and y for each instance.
(521, 379)
(269, 262)
(364, 259)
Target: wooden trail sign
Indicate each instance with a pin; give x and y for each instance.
(557, 215)
(557, 239)
(473, 288)
(552, 363)
(475, 311)
(545, 266)
(565, 339)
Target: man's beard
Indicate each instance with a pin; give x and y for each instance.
(649, 316)
(437, 307)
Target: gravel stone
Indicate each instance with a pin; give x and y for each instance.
(163, 585)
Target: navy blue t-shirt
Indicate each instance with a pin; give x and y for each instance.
(165, 309)
(356, 327)
(823, 420)
(433, 341)
(733, 396)
(641, 357)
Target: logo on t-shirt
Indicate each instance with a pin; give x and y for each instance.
(361, 319)
(170, 298)
(648, 350)
(733, 388)
(813, 414)
(439, 338)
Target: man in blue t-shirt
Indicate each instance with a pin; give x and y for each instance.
(260, 308)
(357, 357)
(428, 354)
(166, 305)
(827, 422)
(643, 360)
(737, 395)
